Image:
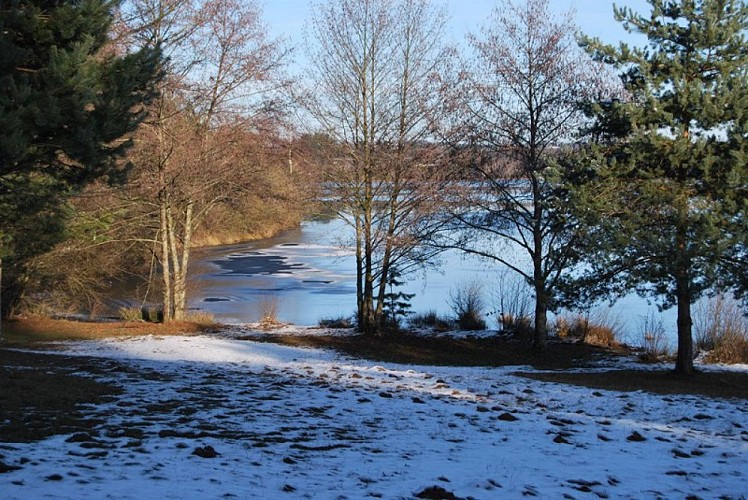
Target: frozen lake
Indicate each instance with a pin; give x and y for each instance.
(309, 274)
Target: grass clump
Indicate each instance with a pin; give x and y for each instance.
(269, 313)
(339, 322)
(468, 305)
(202, 318)
(430, 319)
(598, 329)
(155, 315)
(721, 331)
(520, 326)
(130, 314)
(513, 305)
(654, 342)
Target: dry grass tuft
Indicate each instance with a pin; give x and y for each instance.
(130, 314)
(430, 319)
(269, 313)
(519, 326)
(598, 329)
(202, 318)
(732, 348)
(22, 332)
(721, 330)
(654, 341)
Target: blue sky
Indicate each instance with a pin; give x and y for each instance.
(286, 18)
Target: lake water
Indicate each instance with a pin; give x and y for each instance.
(309, 274)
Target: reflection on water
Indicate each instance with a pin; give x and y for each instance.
(309, 274)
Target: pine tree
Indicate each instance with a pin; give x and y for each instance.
(397, 304)
(67, 103)
(667, 180)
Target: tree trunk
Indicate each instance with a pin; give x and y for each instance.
(359, 275)
(386, 258)
(172, 237)
(369, 326)
(684, 362)
(163, 200)
(381, 292)
(539, 279)
(541, 317)
(370, 323)
(165, 262)
(180, 279)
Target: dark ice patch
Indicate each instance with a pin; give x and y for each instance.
(254, 264)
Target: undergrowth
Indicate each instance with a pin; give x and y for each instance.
(721, 331)
(430, 319)
(468, 306)
(653, 339)
(596, 328)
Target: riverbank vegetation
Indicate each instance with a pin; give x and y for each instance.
(615, 170)
(206, 160)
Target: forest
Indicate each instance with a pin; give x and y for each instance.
(133, 132)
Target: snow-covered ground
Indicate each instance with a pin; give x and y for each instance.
(304, 423)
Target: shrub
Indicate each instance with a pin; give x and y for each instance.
(203, 318)
(513, 301)
(519, 326)
(131, 314)
(597, 329)
(269, 312)
(721, 330)
(467, 304)
(430, 319)
(339, 322)
(653, 339)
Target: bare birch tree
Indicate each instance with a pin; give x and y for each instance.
(221, 66)
(374, 88)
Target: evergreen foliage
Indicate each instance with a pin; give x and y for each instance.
(67, 103)
(397, 304)
(665, 185)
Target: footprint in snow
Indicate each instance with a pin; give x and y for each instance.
(636, 437)
(507, 417)
(561, 439)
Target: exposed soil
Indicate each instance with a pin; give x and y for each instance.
(447, 351)
(43, 395)
(503, 351)
(713, 384)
